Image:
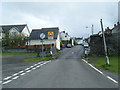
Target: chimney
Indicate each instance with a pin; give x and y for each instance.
(115, 25)
(108, 28)
(118, 23)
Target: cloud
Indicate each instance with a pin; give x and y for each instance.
(72, 17)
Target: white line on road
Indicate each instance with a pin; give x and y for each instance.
(28, 71)
(35, 64)
(38, 66)
(111, 79)
(34, 68)
(31, 66)
(27, 68)
(15, 74)
(7, 78)
(6, 82)
(15, 77)
(22, 74)
(100, 72)
(96, 69)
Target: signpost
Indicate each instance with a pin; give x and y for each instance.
(42, 36)
(50, 37)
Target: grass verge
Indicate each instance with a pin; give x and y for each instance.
(99, 62)
(49, 57)
(17, 53)
(35, 59)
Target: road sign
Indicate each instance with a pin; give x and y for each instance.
(42, 36)
(50, 35)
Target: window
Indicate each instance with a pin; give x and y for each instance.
(14, 33)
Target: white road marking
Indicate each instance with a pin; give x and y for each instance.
(22, 74)
(101, 72)
(35, 65)
(27, 68)
(96, 69)
(28, 71)
(15, 74)
(38, 66)
(31, 66)
(34, 68)
(112, 79)
(7, 78)
(15, 77)
(40, 62)
(6, 82)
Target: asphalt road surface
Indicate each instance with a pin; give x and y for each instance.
(68, 71)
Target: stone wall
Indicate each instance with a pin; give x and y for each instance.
(112, 41)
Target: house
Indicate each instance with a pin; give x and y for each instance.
(65, 38)
(51, 37)
(21, 29)
(116, 28)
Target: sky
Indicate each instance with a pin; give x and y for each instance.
(73, 17)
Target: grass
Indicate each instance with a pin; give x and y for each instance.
(99, 62)
(49, 57)
(17, 53)
(35, 59)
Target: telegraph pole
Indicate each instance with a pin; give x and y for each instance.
(105, 46)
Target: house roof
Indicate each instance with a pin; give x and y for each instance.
(35, 34)
(6, 28)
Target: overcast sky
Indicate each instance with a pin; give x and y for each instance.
(68, 16)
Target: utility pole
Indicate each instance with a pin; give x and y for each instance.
(92, 29)
(105, 46)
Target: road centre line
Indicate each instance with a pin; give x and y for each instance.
(29, 71)
(27, 68)
(15, 74)
(7, 78)
(6, 82)
(15, 77)
(21, 73)
(100, 72)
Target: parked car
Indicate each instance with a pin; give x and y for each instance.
(69, 45)
(86, 45)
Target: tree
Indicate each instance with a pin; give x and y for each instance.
(13, 40)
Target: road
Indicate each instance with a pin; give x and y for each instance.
(68, 71)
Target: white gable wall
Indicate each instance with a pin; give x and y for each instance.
(38, 42)
(14, 30)
(58, 42)
(25, 32)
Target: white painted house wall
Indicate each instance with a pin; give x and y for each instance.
(12, 31)
(26, 32)
(64, 36)
(58, 42)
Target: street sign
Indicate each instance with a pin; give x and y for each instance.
(42, 36)
(50, 35)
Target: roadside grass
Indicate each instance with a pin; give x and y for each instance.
(17, 53)
(99, 62)
(48, 57)
(36, 59)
